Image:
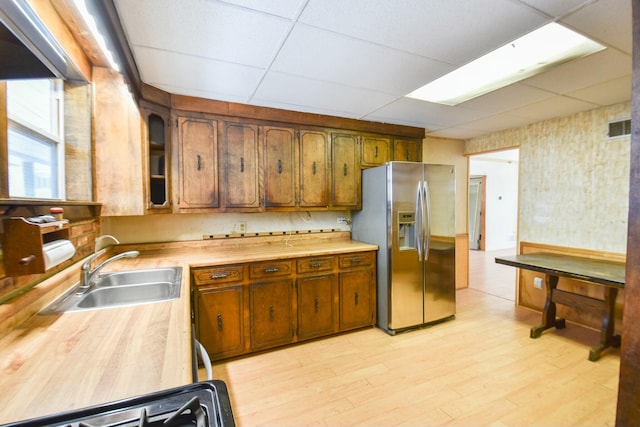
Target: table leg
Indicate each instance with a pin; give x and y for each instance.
(607, 339)
(549, 313)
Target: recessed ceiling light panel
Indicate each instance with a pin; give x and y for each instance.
(529, 55)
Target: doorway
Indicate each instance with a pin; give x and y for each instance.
(493, 221)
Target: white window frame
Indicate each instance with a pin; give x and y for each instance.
(55, 139)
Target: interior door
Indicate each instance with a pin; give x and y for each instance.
(476, 191)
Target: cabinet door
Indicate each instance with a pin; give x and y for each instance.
(157, 155)
(409, 150)
(345, 185)
(241, 185)
(314, 163)
(375, 150)
(271, 313)
(219, 320)
(279, 167)
(356, 298)
(198, 162)
(315, 305)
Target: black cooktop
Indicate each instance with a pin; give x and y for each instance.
(202, 404)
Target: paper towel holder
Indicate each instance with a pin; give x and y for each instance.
(23, 244)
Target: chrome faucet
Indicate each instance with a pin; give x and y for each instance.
(87, 275)
(99, 240)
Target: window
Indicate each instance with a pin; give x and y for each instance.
(35, 138)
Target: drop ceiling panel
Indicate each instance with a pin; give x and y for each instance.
(607, 21)
(607, 93)
(330, 98)
(205, 29)
(510, 97)
(321, 55)
(215, 77)
(437, 29)
(557, 106)
(556, 8)
(285, 8)
(589, 71)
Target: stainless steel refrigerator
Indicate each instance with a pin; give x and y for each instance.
(408, 210)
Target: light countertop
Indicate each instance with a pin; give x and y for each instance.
(55, 363)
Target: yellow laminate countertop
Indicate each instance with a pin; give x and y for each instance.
(55, 363)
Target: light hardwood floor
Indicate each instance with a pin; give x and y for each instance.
(479, 369)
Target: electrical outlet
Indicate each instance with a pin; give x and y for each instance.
(342, 220)
(242, 227)
(537, 282)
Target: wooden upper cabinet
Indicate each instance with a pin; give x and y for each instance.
(241, 183)
(279, 165)
(345, 178)
(408, 150)
(375, 150)
(198, 162)
(314, 166)
(156, 151)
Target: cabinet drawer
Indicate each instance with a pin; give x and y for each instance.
(215, 275)
(263, 270)
(359, 259)
(311, 265)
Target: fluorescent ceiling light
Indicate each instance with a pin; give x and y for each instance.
(91, 24)
(531, 54)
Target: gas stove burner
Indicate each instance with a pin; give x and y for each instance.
(202, 404)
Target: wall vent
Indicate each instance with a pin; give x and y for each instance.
(619, 128)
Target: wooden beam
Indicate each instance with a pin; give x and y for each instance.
(628, 411)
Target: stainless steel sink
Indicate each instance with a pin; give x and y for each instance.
(122, 288)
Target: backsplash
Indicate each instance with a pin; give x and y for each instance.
(184, 227)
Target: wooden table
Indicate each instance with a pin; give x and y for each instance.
(609, 274)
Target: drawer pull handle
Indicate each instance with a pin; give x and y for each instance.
(376, 155)
(406, 153)
(316, 304)
(241, 164)
(315, 265)
(357, 298)
(217, 276)
(272, 313)
(313, 168)
(26, 260)
(271, 270)
(356, 260)
(279, 166)
(219, 322)
(199, 162)
(344, 169)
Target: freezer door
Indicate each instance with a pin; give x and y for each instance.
(406, 268)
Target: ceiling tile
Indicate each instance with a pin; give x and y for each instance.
(556, 8)
(295, 92)
(205, 29)
(557, 106)
(190, 73)
(285, 8)
(584, 72)
(451, 31)
(321, 55)
(607, 93)
(507, 98)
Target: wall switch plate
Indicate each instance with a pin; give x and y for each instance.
(537, 282)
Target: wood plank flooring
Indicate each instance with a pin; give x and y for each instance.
(479, 369)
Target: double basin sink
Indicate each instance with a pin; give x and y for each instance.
(122, 288)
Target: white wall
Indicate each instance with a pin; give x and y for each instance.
(501, 197)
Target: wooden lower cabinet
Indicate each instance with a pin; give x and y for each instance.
(271, 313)
(242, 308)
(316, 305)
(219, 320)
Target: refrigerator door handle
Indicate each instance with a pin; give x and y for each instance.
(418, 221)
(427, 218)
